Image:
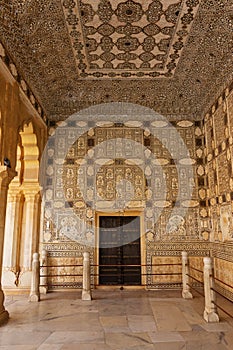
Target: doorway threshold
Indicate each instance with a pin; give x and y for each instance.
(119, 287)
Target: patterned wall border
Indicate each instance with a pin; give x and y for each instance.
(226, 293)
(222, 251)
(177, 247)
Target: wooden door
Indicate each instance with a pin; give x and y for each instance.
(119, 250)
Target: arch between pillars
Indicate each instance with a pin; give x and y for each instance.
(22, 235)
(31, 154)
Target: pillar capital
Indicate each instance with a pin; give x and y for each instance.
(14, 194)
(31, 196)
(31, 191)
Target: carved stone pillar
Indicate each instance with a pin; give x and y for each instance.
(30, 230)
(13, 228)
(35, 282)
(44, 272)
(86, 292)
(6, 175)
(186, 294)
(210, 312)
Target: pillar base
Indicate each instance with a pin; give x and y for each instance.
(211, 317)
(4, 315)
(86, 295)
(34, 297)
(43, 290)
(187, 295)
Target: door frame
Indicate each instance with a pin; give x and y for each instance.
(129, 212)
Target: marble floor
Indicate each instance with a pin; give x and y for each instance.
(124, 320)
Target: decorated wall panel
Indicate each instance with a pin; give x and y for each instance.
(220, 123)
(224, 277)
(223, 178)
(115, 167)
(166, 270)
(65, 272)
(219, 175)
(196, 268)
(166, 258)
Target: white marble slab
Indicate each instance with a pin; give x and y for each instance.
(75, 337)
(89, 346)
(23, 338)
(114, 324)
(119, 341)
(141, 323)
(166, 337)
(169, 317)
(18, 347)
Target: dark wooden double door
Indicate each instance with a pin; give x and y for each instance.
(119, 238)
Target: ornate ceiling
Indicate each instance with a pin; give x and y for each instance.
(128, 39)
(174, 56)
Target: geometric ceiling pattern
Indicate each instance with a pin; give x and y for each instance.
(125, 39)
(173, 56)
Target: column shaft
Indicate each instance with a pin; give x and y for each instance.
(13, 228)
(30, 234)
(6, 175)
(186, 294)
(210, 312)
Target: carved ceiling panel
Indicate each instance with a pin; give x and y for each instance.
(125, 39)
(174, 56)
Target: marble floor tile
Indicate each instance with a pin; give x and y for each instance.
(168, 317)
(191, 315)
(126, 340)
(140, 347)
(216, 327)
(50, 347)
(228, 340)
(141, 323)
(85, 347)
(113, 320)
(203, 340)
(114, 324)
(166, 337)
(206, 346)
(18, 347)
(170, 346)
(75, 337)
(139, 309)
(109, 310)
(76, 322)
(136, 306)
(23, 338)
